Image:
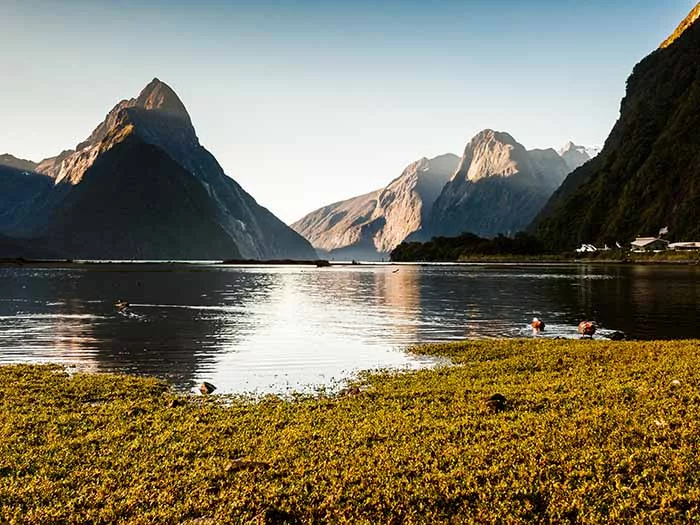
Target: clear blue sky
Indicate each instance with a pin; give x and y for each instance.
(308, 102)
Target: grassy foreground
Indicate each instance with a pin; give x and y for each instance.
(591, 432)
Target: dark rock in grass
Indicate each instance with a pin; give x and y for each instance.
(174, 403)
(135, 411)
(617, 336)
(206, 388)
(496, 403)
(274, 515)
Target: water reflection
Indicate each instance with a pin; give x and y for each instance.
(279, 328)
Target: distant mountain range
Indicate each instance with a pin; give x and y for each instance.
(497, 186)
(371, 225)
(647, 176)
(576, 156)
(139, 187)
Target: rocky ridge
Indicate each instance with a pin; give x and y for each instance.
(145, 139)
(370, 226)
(498, 187)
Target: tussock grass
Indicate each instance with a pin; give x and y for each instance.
(591, 432)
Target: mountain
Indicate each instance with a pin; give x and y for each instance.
(371, 225)
(685, 24)
(498, 187)
(22, 193)
(576, 156)
(9, 161)
(142, 186)
(648, 174)
(11, 248)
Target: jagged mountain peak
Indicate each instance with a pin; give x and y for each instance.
(570, 146)
(493, 135)
(159, 96)
(575, 155)
(685, 24)
(491, 153)
(157, 115)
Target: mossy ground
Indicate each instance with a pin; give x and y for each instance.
(592, 432)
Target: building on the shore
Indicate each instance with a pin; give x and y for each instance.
(649, 244)
(685, 245)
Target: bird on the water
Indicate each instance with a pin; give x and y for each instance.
(537, 325)
(121, 305)
(587, 328)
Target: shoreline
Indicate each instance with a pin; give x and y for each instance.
(322, 263)
(518, 430)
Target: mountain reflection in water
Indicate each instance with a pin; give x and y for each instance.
(279, 328)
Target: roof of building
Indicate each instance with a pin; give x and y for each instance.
(685, 244)
(646, 241)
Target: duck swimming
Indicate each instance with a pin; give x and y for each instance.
(121, 305)
(537, 325)
(587, 328)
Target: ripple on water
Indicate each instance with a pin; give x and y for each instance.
(279, 328)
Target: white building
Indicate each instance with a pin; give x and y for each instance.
(648, 244)
(684, 246)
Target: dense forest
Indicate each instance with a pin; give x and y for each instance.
(467, 246)
(648, 175)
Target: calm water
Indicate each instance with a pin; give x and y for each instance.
(281, 328)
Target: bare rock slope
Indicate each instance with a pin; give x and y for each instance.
(498, 187)
(370, 226)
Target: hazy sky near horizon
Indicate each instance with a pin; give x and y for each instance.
(308, 102)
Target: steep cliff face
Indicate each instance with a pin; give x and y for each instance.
(498, 187)
(371, 225)
(648, 174)
(194, 211)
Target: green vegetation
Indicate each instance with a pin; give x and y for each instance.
(522, 248)
(624, 256)
(648, 174)
(467, 247)
(591, 432)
